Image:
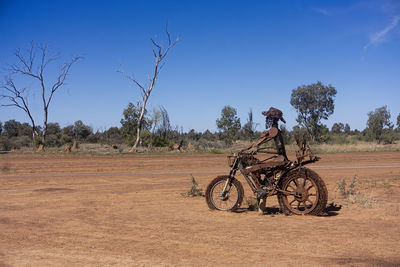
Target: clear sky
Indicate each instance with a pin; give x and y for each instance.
(247, 54)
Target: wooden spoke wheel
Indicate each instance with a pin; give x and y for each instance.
(306, 193)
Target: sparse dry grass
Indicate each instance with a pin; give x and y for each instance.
(5, 169)
(332, 148)
(356, 147)
(84, 149)
(359, 193)
(238, 145)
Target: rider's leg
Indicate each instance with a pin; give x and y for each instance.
(261, 205)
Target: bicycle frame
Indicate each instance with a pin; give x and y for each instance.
(237, 165)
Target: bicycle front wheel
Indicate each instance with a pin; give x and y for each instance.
(229, 199)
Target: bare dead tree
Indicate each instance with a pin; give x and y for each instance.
(160, 54)
(165, 127)
(251, 122)
(15, 97)
(249, 128)
(28, 66)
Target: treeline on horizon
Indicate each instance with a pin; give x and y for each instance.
(158, 132)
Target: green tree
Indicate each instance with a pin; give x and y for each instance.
(53, 134)
(81, 131)
(1, 127)
(313, 103)
(398, 122)
(298, 132)
(67, 134)
(11, 128)
(130, 123)
(53, 128)
(192, 135)
(111, 136)
(323, 133)
(378, 121)
(24, 129)
(346, 129)
(337, 128)
(207, 135)
(229, 124)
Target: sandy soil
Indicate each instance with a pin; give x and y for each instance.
(83, 210)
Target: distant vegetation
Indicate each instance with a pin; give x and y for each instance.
(158, 132)
(313, 103)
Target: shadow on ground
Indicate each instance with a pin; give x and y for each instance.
(331, 210)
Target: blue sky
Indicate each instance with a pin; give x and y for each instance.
(247, 54)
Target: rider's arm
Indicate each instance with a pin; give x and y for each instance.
(265, 137)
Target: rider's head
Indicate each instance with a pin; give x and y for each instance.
(272, 116)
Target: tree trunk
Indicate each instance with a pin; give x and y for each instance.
(133, 149)
(44, 134)
(33, 135)
(139, 127)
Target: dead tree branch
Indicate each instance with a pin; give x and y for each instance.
(28, 66)
(17, 98)
(159, 54)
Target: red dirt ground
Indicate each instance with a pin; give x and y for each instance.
(68, 210)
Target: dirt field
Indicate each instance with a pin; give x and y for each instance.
(83, 210)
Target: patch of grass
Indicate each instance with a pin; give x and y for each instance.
(216, 151)
(5, 169)
(359, 146)
(350, 193)
(194, 191)
(380, 183)
(346, 191)
(365, 201)
(394, 211)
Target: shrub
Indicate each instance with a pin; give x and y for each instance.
(194, 191)
(161, 142)
(65, 139)
(22, 141)
(93, 138)
(205, 145)
(351, 195)
(346, 191)
(5, 144)
(389, 136)
(53, 140)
